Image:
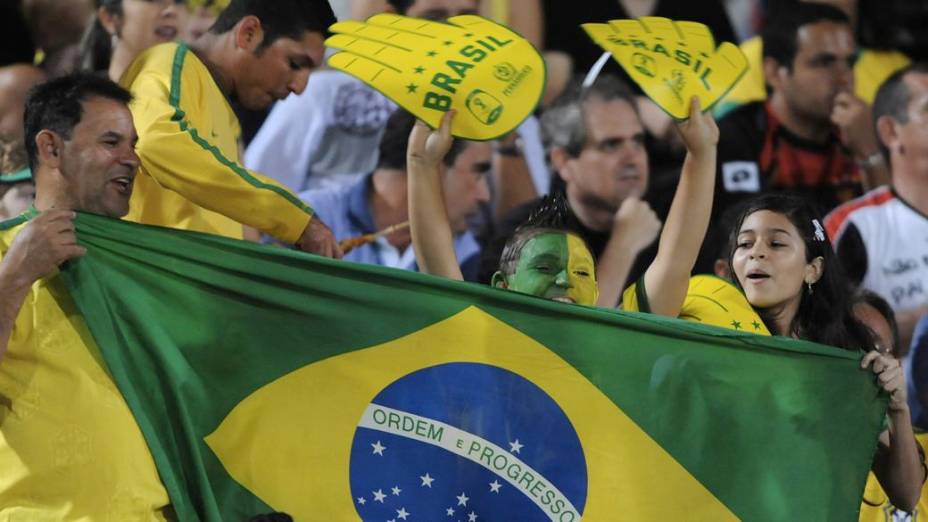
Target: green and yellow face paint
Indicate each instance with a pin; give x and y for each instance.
(555, 266)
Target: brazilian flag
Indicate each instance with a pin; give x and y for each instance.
(270, 380)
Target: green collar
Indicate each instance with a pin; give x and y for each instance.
(15, 177)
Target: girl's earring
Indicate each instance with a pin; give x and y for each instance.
(809, 287)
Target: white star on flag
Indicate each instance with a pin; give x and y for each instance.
(450, 512)
(462, 499)
(515, 447)
(396, 490)
(378, 495)
(427, 480)
(378, 448)
(494, 486)
(472, 517)
(361, 501)
(402, 513)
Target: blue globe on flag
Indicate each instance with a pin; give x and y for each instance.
(466, 442)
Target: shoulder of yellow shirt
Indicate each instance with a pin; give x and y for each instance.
(159, 58)
(871, 69)
(709, 300)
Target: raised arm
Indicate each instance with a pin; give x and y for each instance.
(43, 244)
(667, 279)
(428, 219)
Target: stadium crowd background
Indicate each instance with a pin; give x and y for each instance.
(823, 113)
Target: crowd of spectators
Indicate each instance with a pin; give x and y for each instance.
(809, 197)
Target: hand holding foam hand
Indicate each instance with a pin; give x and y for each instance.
(672, 61)
(491, 76)
(699, 132)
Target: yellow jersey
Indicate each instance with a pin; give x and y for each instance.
(709, 300)
(70, 449)
(191, 175)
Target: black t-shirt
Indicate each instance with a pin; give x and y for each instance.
(756, 154)
(18, 46)
(563, 19)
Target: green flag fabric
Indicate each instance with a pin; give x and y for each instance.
(271, 380)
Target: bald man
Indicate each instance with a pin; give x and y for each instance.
(15, 82)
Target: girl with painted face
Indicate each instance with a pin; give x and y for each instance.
(546, 260)
(541, 259)
(123, 29)
(784, 262)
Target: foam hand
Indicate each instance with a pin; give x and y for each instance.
(493, 77)
(672, 61)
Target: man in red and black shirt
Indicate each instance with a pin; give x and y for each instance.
(812, 135)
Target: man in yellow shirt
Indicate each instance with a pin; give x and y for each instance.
(70, 449)
(191, 177)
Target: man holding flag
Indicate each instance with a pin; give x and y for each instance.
(69, 446)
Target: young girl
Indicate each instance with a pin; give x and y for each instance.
(548, 261)
(785, 264)
(124, 28)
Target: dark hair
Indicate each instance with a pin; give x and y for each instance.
(781, 31)
(893, 97)
(882, 306)
(96, 47)
(57, 106)
(401, 6)
(549, 216)
(826, 314)
(564, 123)
(395, 140)
(279, 18)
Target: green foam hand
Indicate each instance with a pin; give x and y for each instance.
(491, 76)
(672, 61)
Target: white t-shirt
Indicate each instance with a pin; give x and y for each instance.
(883, 243)
(328, 134)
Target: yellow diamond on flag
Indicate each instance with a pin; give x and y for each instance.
(490, 75)
(672, 61)
(290, 442)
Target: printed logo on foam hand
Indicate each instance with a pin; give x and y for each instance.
(468, 442)
(492, 76)
(672, 61)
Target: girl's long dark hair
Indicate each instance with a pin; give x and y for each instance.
(826, 314)
(97, 44)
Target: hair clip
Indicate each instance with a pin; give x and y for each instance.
(819, 231)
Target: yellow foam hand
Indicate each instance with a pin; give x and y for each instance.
(493, 77)
(672, 61)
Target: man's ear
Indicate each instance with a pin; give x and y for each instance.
(249, 33)
(887, 132)
(559, 159)
(814, 270)
(111, 22)
(498, 280)
(774, 73)
(49, 147)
